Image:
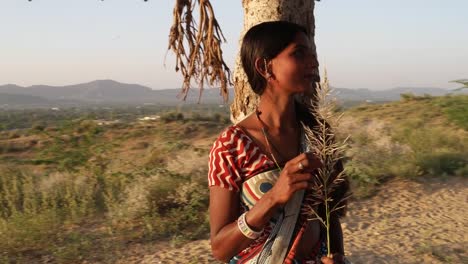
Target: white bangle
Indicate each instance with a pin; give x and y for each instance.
(245, 228)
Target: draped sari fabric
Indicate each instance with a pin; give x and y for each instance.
(238, 164)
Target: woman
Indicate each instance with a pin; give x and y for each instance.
(259, 169)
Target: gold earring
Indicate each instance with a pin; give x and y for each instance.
(267, 72)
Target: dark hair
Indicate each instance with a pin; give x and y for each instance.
(265, 41)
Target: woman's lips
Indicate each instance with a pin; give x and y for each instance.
(312, 77)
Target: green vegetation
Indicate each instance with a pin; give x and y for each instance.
(72, 189)
(177, 206)
(80, 190)
(28, 118)
(421, 136)
(455, 108)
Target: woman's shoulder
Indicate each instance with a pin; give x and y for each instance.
(230, 130)
(231, 136)
(236, 138)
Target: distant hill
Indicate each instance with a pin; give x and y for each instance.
(106, 92)
(21, 99)
(350, 97)
(113, 92)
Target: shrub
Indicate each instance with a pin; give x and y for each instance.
(411, 97)
(437, 164)
(372, 155)
(141, 145)
(11, 147)
(36, 209)
(169, 204)
(39, 126)
(455, 108)
(362, 182)
(197, 117)
(190, 129)
(14, 134)
(179, 207)
(217, 117)
(172, 116)
(407, 149)
(179, 116)
(435, 151)
(226, 120)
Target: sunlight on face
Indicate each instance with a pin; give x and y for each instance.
(296, 67)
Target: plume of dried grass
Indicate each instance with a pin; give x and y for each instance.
(322, 142)
(197, 47)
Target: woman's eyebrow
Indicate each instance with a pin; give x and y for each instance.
(301, 46)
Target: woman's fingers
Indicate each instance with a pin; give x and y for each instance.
(298, 158)
(312, 161)
(296, 175)
(327, 260)
(303, 162)
(335, 258)
(300, 181)
(300, 185)
(300, 177)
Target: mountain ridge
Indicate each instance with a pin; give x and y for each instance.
(114, 92)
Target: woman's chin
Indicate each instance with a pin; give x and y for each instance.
(308, 89)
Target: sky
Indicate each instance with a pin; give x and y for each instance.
(361, 43)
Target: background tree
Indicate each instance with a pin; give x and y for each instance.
(463, 82)
(198, 45)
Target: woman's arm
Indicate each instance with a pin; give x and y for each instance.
(226, 238)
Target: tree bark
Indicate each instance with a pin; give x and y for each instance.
(255, 12)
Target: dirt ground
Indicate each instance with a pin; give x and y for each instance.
(405, 222)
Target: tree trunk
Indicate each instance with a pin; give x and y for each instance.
(255, 12)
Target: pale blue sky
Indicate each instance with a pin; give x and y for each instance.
(372, 44)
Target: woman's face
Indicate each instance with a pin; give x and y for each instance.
(295, 69)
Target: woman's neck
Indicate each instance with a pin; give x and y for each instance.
(278, 112)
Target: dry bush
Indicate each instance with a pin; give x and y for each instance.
(141, 145)
(380, 149)
(14, 134)
(435, 151)
(373, 154)
(17, 145)
(170, 205)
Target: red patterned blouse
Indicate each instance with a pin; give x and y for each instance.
(233, 159)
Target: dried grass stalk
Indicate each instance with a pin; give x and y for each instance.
(198, 48)
(322, 142)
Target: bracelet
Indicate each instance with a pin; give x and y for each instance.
(245, 229)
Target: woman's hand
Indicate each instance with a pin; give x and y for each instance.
(336, 258)
(296, 175)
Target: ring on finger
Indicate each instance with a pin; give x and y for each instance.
(300, 166)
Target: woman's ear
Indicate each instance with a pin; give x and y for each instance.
(262, 67)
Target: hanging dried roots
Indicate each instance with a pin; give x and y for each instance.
(198, 48)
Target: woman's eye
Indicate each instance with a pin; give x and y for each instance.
(299, 53)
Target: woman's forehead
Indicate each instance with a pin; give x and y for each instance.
(301, 39)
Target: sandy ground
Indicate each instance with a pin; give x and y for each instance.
(406, 222)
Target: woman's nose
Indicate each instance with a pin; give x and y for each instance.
(311, 59)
